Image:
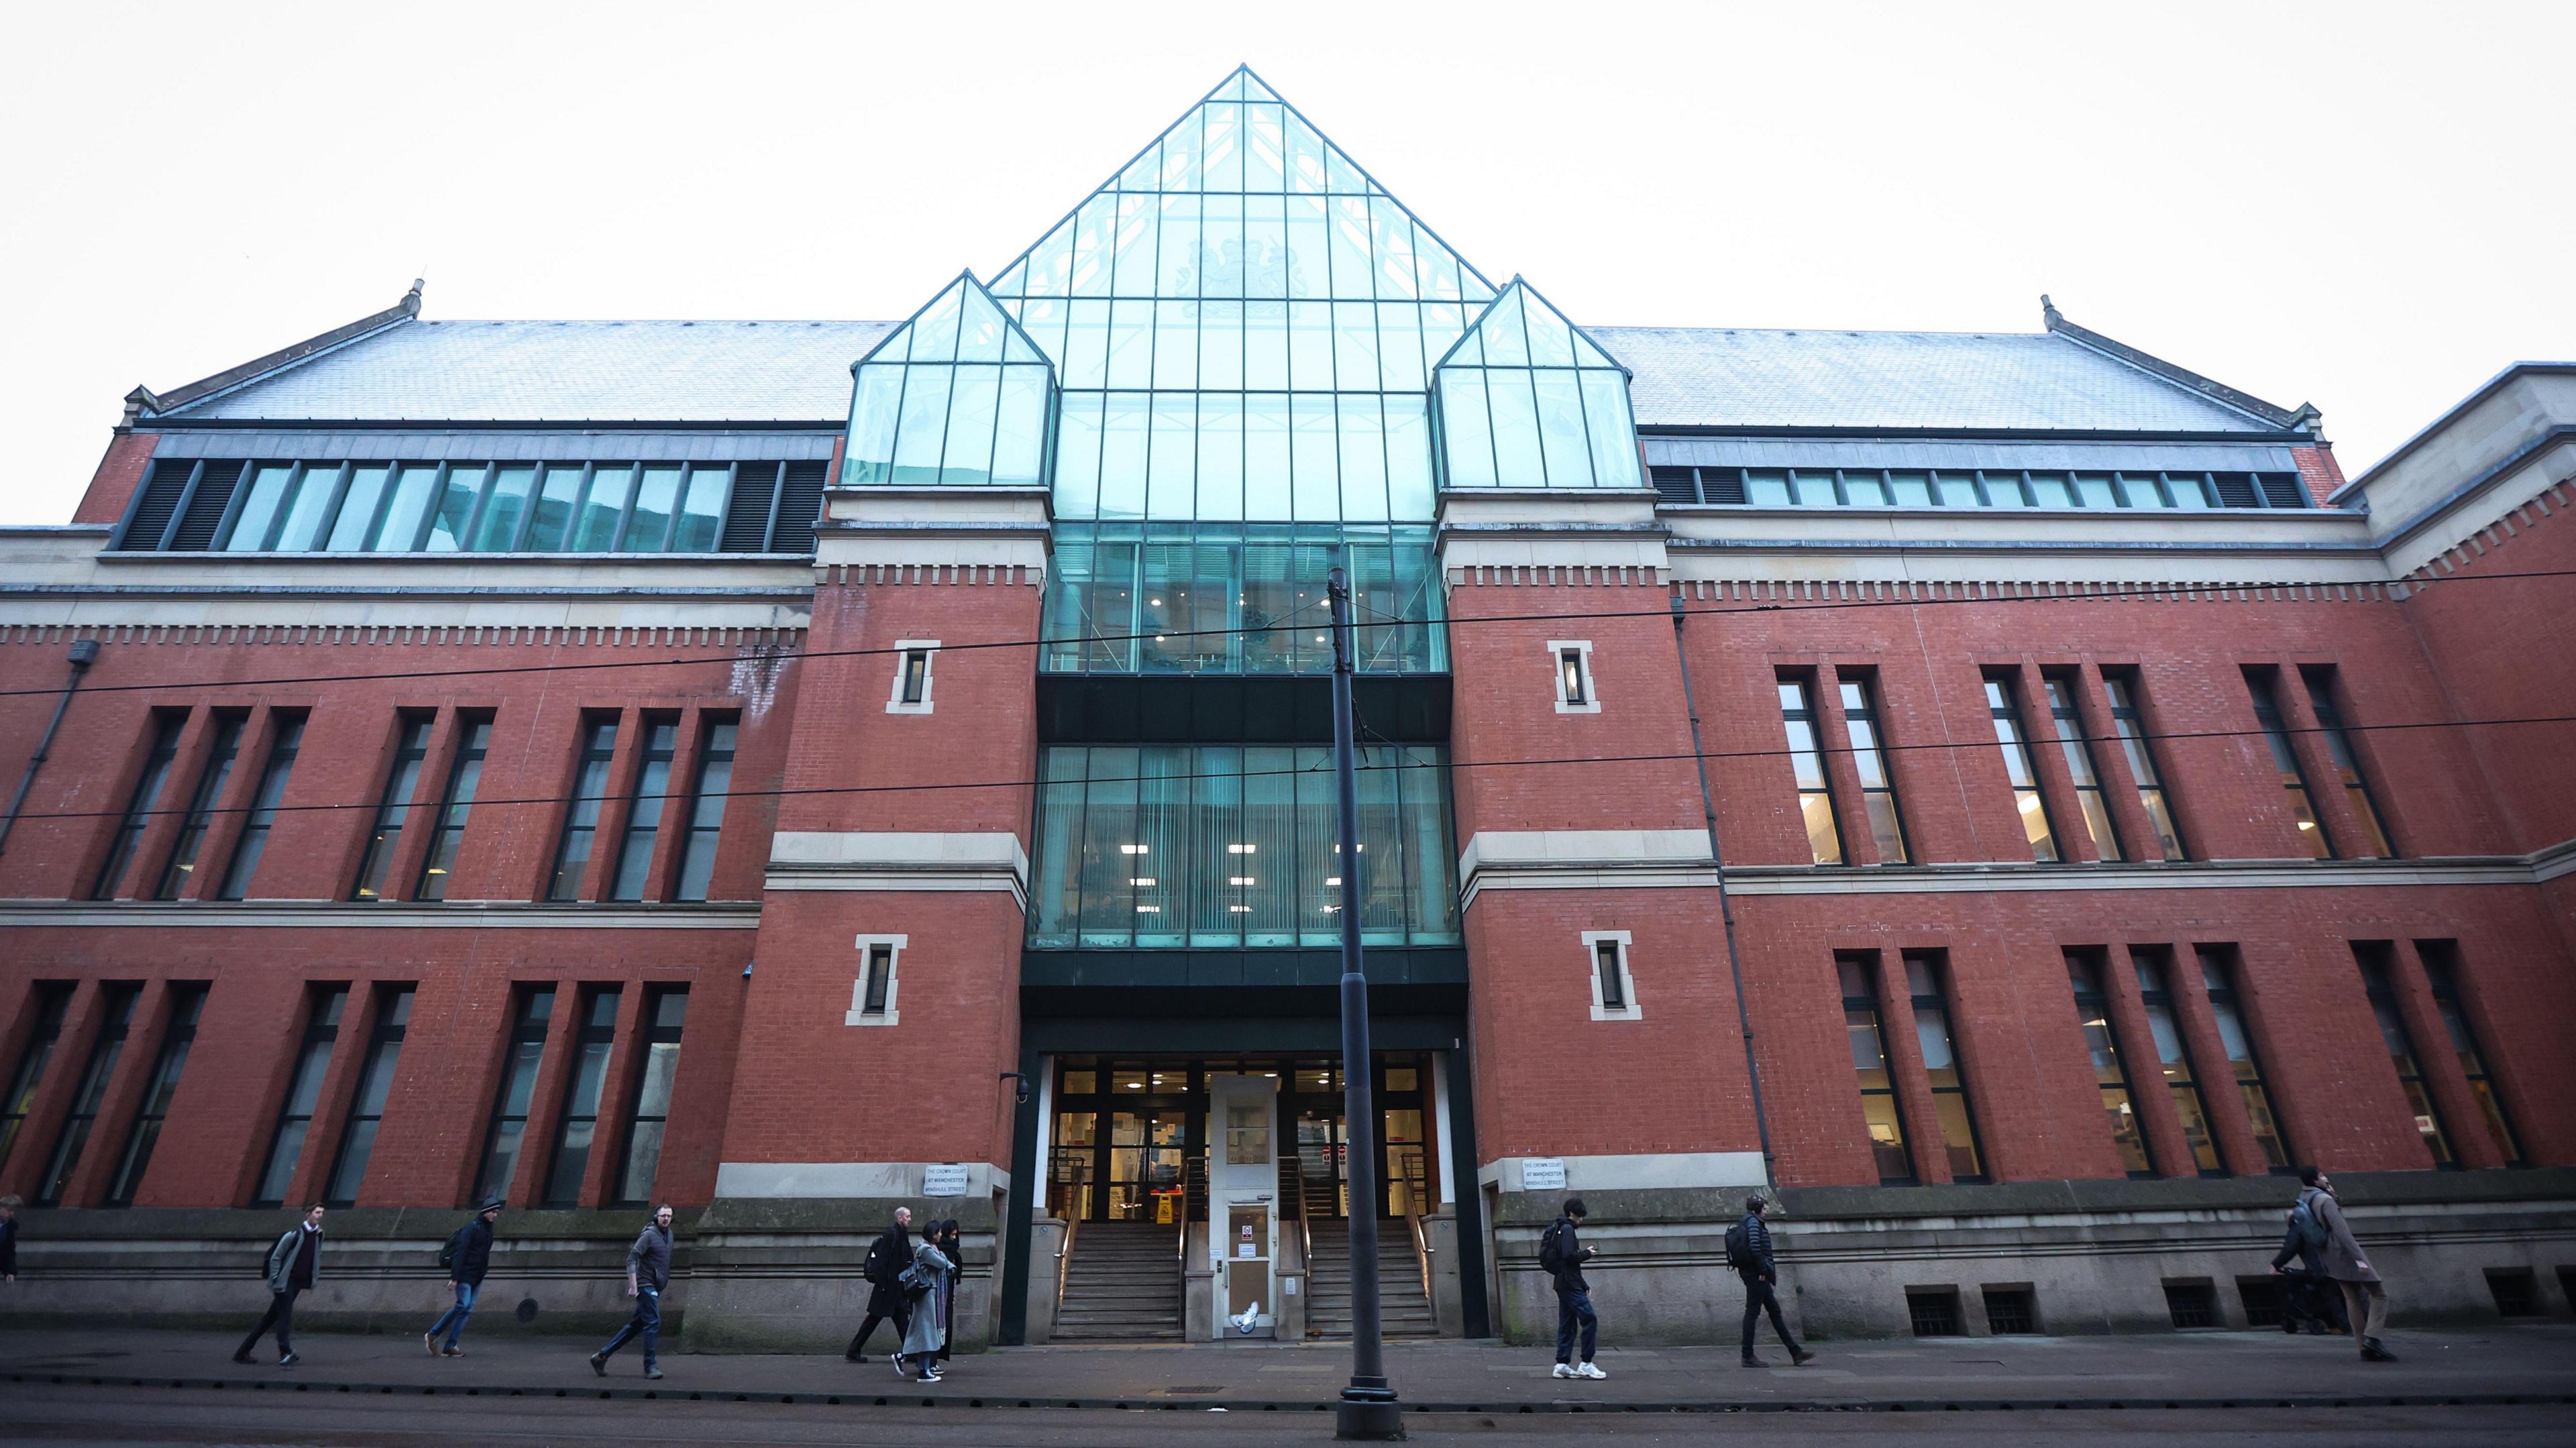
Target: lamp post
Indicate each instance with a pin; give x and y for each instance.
(1368, 1408)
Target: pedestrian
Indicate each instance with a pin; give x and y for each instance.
(1562, 1254)
(1748, 1251)
(9, 1238)
(648, 1271)
(2306, 1296)
(948, 1247)
(927, 1331)
(467, 1256)
(294, 1265)
(2365, 1300)
(887, 1256)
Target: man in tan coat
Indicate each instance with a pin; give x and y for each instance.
(2364, 1299)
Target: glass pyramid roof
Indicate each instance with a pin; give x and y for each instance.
(957, 396)
(1528, 400)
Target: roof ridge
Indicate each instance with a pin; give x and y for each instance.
(144, 400)
(2304, 418)
(1813, 331)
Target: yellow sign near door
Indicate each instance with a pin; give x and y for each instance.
(1162, 1209)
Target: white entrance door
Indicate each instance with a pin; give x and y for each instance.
(1243, 1190)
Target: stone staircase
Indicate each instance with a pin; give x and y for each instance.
(1123, 1284)
(1402, 1309)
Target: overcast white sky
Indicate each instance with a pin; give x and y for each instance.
(2366, 207)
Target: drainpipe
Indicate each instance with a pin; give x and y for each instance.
(84, 654)
(1725, 903)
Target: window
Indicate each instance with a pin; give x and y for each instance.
(911, 676)
(2442, 973)
(872, 998)
(187, 1003)
(1923, 972)
(1575, 693)
(2356, 789)
(312, 1063)
(1815, 788)
(47, 1006)
(2079, 767)
(462, 778)
(1614, 991)
(409, 751)
(166, 725)
(2193, 1304)
(581, 817)
(2093, 1010)
(253, 841)
(706, 810)
(201, 807)
(664, 1010)
(116, 1004)
(2218, 971)
(526, 1051)
(2174, 1054)
(2377, 961)
(367, 1107)
(580, 1125)
(1877, 786)
(1878, 1104)
(644, 813)
(2012, 1310)
(2285, 758)
(2025, 780)
(1873, 488)
(1934, 1311)
(2130, 726)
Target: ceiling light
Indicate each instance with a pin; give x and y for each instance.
(1241, 849)
(1149, 909)
(1332, 879)
(2030, 804)
(1131, 849)
(1140, 879)
(1239, 880)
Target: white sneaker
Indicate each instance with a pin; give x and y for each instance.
(1588, 1371)
(1563, 1371)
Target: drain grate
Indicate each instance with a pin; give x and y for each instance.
(1185, 1390)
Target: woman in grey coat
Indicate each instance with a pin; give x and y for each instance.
(928, 1330)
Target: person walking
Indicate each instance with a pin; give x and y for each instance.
(948, 1247)
(927, 1331)
(9, 1238)
(887, 1256)
(2305, 1295)
(294, 1265)
(467, 1256)
(1562, 1253)
(2365, 1300)
(648, 1271)
(1748, 1251)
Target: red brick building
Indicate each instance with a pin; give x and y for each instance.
(2006, 793)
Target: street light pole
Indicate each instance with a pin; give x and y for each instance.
(1368, 1408)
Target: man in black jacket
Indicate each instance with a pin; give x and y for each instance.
(1761, 1273)
(887, 1257)
(2305, 1295)
(1562, 1255)
(294, 1265)
(469, 1256)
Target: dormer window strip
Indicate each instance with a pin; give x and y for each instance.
(1978, 488)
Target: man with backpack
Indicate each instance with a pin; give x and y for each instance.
(294, 1263)
(887, 1257)
(1748, 1251)
(648, 1272)
(1562, 1255)
(2365, 1301)
(2306, 1296)
(467, 1256)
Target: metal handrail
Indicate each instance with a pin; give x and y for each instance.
(1064, 1257)
(1416, 1187)
(1421, 1250)
(1306, 1241)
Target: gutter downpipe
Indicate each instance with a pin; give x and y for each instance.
(84, 654)
(1725, 902)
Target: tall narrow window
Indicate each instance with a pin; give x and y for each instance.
(2356, 789)
(312, 1063)
(117, 1003)
(1569, 677)
(2025, 780)
(664, 1011)
(2218, 972)
(394, 808)
(2374, 957)
(2069, 722)
(644, 817)
(706, 811)
(2132, 729)
(2174, 1054)
(463, 777)
(253, 843)
(1614, 995)
(875, 1003)
(1815, 790)
(367, 1107)
(503, 1141)
(49, 1001)
(166, 725)
(1923, 972)
(187, 1002)
(2285, 758)
(2093, 1009)
(913, 657)
(2442, 971)
(1877, 786)
(581, 818)
(201, 807)
(1878, 1108)
(580, 1125)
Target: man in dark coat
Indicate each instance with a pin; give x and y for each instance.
(648, 1271)
(2307, 1294)
(1760, 1273)
(294, 1263)
(469, 1256)
(1562, 1255)
(887, 1257)
(2365, 1300)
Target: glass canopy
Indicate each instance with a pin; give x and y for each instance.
(958, 395)
(1526, 400)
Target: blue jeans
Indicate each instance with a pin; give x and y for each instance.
(1572, 1308)
(452, 1322)
(647, 1321)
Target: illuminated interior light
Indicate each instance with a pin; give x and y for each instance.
(1242, 849)
(1140, 879)
(1240, 880)
(1131, 849)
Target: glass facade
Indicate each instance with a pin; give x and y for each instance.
(956, 396)
(1526, 400)
(1970, 488)
(1236, 598)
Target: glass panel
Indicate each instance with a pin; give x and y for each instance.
(657, 494)
(304, 516)
(455, 508)
(702, 514)
(556, 500)
(603, 507)
(498, 529)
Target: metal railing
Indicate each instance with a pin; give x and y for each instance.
(1064, 1258)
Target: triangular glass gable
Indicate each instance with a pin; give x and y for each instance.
(1527, 400)
(956, 396)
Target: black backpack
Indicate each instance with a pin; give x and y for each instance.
(1551, 1249)
(881, 1269)
(447, 1249)
(1739, 1247)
